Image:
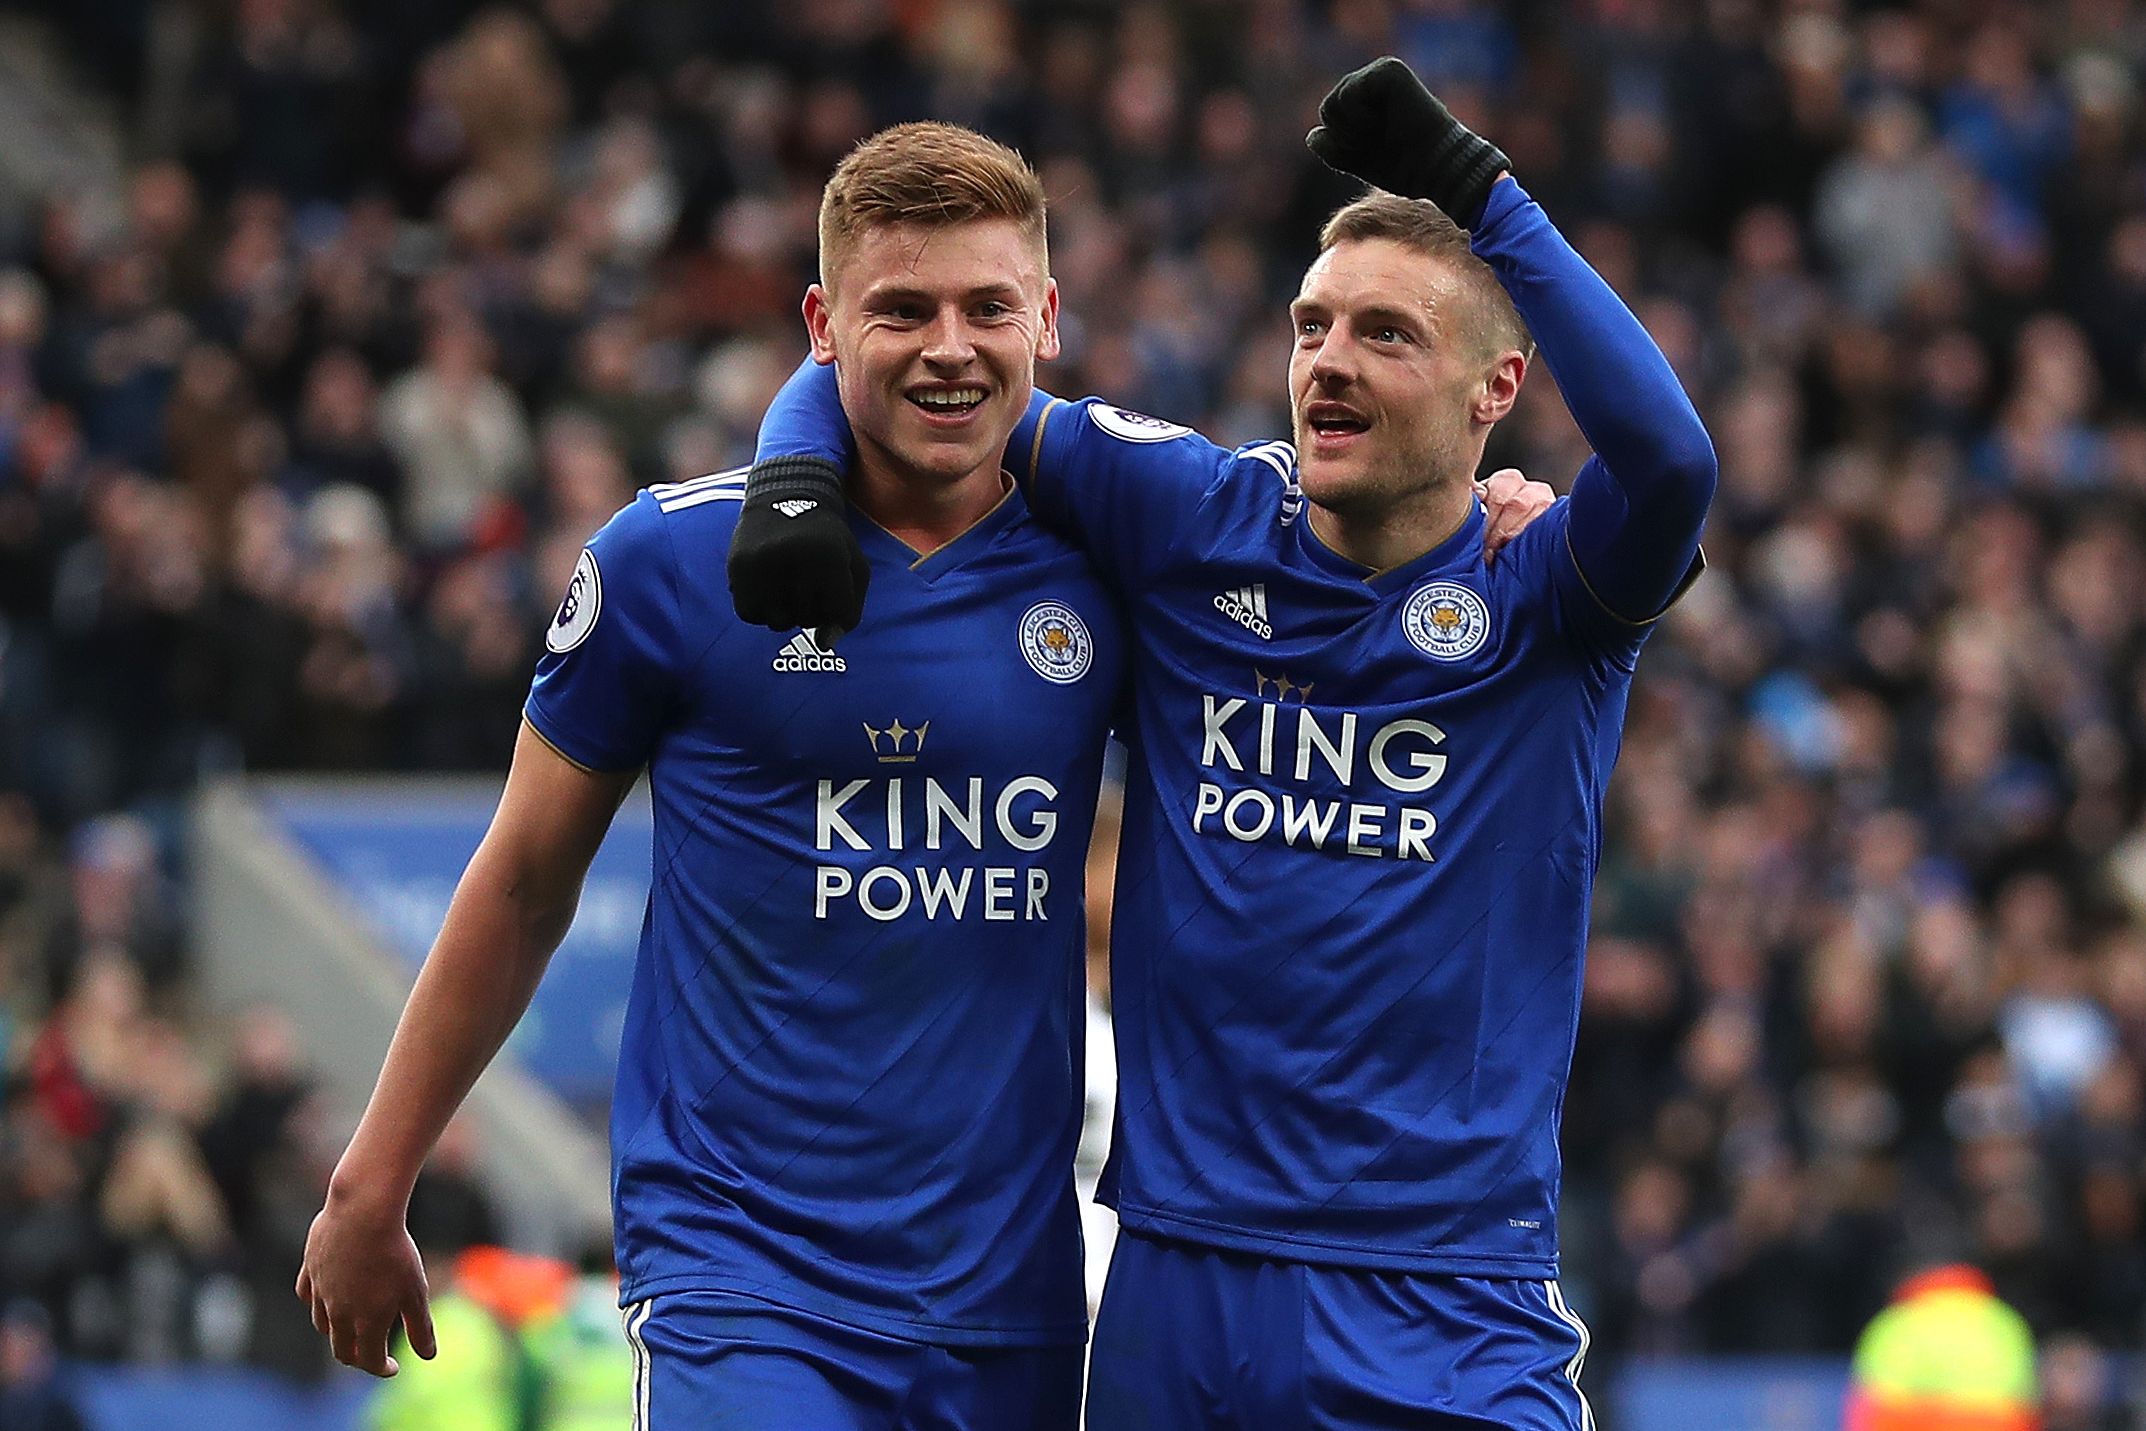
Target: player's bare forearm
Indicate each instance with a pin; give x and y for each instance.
(475, 985)
(513, 905)
(362, 1274)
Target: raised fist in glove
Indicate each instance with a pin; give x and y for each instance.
(1381, 125)
(793, 559)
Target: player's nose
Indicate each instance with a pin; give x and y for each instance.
(947, 342)
(1334, 363)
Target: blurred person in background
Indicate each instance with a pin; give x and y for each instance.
(337, 436)
(263, 1145)
(583, 1363)
(1947, 1355)
(478, 1380)
(33, 1393)
(357, 671)
(2080, 1390)
(449, 1205)
(459, 434)
(123, 900)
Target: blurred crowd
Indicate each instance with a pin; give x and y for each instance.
(301, 430)
(158, 1171)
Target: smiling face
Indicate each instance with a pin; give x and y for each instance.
(935, 331)
(1387, 384)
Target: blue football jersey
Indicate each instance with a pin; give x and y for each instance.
(850, 1075)
(1361, 828)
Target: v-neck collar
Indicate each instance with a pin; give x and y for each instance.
(1464, 540)
(931, 565)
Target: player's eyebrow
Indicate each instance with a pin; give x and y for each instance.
(885, 293)
(1005, 292)
(1384, 316)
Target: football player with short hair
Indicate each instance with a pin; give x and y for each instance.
(849, 1089)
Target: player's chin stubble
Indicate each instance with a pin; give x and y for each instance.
(1377, 486)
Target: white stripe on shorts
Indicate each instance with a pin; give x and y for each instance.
(635, 1317)
(1566, 1315)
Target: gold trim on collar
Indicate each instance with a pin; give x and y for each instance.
(1006, 487)
(1035, 449)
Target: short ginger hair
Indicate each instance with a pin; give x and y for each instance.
(1421, 226)
(926, 173)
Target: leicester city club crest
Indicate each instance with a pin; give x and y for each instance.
(1056, 642)
(1446, 621)
(577, 613)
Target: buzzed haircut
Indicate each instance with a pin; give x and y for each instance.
(1420, 225)
(925, 173)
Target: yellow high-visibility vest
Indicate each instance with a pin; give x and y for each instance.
(472, 1385)
(1947, 1355)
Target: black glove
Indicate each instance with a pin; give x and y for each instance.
(793, 560)
(1381, 125)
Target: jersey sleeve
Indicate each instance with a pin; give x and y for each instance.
(805, 419)
(609, 675)
(1120, 485)
(1639, 504)
(1543, 556)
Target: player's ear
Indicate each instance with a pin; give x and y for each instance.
(1501, 386)
(820, 324)
(1047, 335)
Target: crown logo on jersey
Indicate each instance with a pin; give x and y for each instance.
(1284, 688)
(892, 743)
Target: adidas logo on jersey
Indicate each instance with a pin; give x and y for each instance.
(1247, 606)
(796, 506)
(802, 653)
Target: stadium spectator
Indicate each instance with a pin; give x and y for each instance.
(1946, 1355)
(32, 1394)
(460, 433)
(583, 1362)
(450, 1209)
(479, 1380)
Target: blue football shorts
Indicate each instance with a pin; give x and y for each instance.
(1193, 1338)
(702, 1362)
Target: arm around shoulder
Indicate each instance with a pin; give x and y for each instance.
(1122, 485)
